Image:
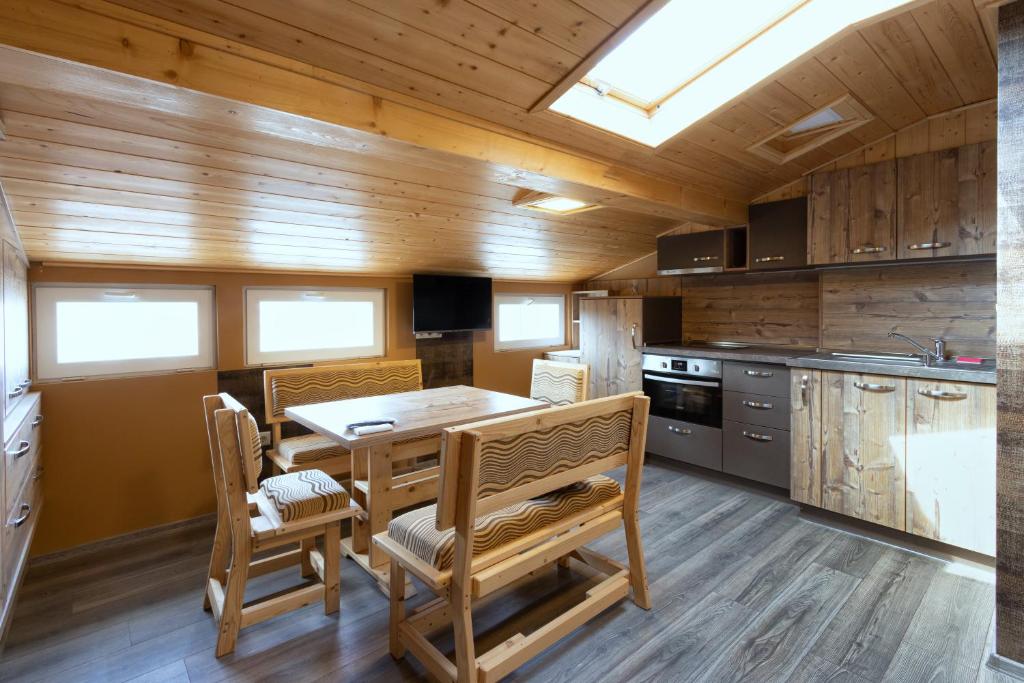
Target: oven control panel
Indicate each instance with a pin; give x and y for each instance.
(680, 365)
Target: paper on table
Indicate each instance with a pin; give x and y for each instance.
(373, 429)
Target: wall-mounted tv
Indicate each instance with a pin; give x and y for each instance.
(449, 303)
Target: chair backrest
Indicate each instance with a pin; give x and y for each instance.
(288, 387)
(559, 383)
(488, 465)
(234, 441)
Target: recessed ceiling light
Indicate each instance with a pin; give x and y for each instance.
(689, 59)
(542, 201)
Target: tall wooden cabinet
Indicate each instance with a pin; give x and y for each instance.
(911, 454)
(20, 461)
(947, 202)
(613, 330)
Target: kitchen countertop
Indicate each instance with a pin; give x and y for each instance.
(981, 374)
(751, 354)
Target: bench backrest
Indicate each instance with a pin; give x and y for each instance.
(288, 387)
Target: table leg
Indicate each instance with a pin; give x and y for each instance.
(360, 528)
(378, 497)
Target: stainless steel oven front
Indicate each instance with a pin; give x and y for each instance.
(684, 389)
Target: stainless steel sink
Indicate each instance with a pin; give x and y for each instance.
(888, 358)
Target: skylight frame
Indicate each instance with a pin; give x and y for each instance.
(530, 199)
(773, 49)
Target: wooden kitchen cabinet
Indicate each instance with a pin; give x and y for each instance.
(778, 234)
(947, 202)
(951, 463)
(805, 436)
(852, 215)
(863, 447)
(15, 319)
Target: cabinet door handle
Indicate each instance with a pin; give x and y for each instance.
(23, 448)
(37, 421)
(759, 373)
(803, 389)
(757, 437)
(935, 393)
(758, 405)
(18, 391)
(769, 259)
(702, 259)
(26, 511)
(868, 250)
(25, 383)
(877, 388)
(681, 431)
(921, 246)
(632, 334)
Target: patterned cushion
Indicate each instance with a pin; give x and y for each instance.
(557, 383)
(298, 495)
(299, 450)
(416, 530)
(255, 447)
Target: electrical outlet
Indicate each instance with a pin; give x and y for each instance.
(265, 439)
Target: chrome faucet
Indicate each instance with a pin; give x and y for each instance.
(927, 355)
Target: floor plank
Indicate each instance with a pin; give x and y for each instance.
(744, 588)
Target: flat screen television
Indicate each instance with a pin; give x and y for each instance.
(450, 303)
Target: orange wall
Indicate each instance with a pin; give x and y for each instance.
(130, 453)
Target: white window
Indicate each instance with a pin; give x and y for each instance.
(297, 325)
(90, 331)
(528, 321)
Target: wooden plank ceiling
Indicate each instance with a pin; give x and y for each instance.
(94, 180)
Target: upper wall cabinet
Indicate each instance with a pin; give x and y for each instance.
(778, 234)
(696, 252)
(851, 215)
(15, 319)
(947, 202)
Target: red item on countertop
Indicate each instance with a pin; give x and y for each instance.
(969, 360)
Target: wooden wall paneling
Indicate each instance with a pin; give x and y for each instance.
(872, 218)
(954, 32)
(863, 447)
(951, 463)
(955, 301)
(1009, 621)
(805, 436)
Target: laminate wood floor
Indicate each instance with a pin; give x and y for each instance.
(744, 587)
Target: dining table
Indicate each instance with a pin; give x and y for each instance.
(419, 418)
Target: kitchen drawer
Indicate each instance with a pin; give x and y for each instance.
(756, 409)
(695, 444)
(756, 378)
(21, 450)
(18, 528)
(758, 453)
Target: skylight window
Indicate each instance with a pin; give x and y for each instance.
(691, 58)
(542, 201)
(821, 119)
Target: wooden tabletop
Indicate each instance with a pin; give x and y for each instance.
(418, 413)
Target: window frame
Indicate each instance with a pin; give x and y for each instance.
(44, 331)
(251, 297)
(536, 342)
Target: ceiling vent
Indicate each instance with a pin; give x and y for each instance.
(813, 130)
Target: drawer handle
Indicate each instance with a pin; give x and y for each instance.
(702, 259)
(868, 250)
(25, 383)
(759, 373)
(18, 391)
(681, 431)
(23, 448)
(758, 405)
(935, 393)
(877, 388)
(757, 437)
(26, 512)
(37, 421)
(769, 259)
(921, 246)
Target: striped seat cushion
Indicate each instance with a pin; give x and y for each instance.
(298, 495)
(417, 532)
(299, 450)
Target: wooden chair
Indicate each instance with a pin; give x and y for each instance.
(287, 387)
(517, 494)
(559, 383)
(252, 517)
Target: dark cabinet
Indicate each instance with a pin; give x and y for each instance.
(778, 234)
(698, 252)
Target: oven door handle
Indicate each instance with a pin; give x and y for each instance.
(673, 380)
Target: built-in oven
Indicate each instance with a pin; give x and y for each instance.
(685, 420)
